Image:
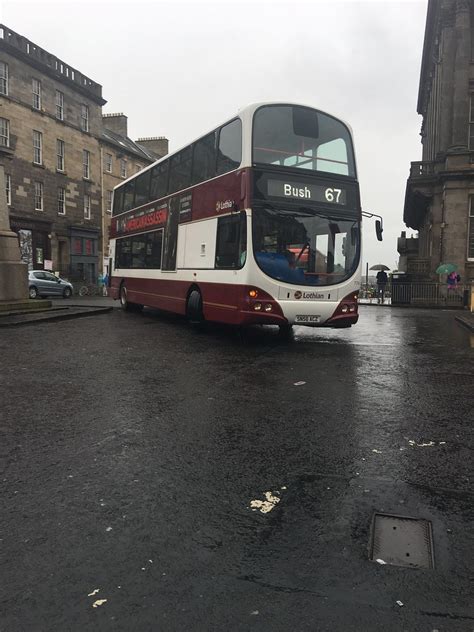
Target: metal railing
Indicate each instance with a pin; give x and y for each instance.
(422, 294)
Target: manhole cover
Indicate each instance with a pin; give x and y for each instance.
(402, 541)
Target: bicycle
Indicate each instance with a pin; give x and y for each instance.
(90, 290)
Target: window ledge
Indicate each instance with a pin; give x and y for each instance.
(61, 172)
(37, 164)
(7, 151)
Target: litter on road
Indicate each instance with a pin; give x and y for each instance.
(265, 506)
(94, 592)
(98, 603)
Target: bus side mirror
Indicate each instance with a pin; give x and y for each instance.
(378, 229)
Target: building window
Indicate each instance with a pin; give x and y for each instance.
(84, 118)
(61, 201)
(87, 206)
(470, 234)
(108, 202)
(86, 161)
(3, 78)
(4, 132)
(37, 147)
(89, 246)
(38, 196)
(60, 155)
(59, 105)
(108, 163)
(36, 85)
(8, 188)
(123, 168)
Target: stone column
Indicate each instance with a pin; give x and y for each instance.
(461, 75)
(13, 272)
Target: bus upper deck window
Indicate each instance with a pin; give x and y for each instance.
(229, 155)
(118, 201)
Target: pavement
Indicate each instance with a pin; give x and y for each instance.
(60, 309)
(466, 319)
(137, 455)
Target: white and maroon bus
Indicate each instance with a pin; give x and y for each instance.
(257, 221)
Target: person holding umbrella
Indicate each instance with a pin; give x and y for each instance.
(382, 280)
(453, 277)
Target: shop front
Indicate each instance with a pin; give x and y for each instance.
(34, 237)
(84, 254)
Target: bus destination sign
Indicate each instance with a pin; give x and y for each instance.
(308, 192)
(132, 223)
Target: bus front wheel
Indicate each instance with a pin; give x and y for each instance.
(194, 308)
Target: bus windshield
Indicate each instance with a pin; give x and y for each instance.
(305, 247)
(299, 137)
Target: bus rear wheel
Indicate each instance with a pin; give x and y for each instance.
(194, 308)
(124, 302)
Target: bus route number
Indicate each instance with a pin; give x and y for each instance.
(333, 195)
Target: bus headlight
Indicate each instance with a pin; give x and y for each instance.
(257, 307)
(344, 309)
(268, 307)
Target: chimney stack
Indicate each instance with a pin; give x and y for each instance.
(158, 145)
(116, 123)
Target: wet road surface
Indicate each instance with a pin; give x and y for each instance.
(132, 448)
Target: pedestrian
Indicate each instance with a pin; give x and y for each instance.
(382, 280)
(105, 281)
(453, 280)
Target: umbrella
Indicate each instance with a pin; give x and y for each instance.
(446, 268)
(379, 266)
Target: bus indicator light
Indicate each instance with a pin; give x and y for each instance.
(253, 293)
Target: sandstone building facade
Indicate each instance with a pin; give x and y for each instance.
(55, 150)
(439, 201)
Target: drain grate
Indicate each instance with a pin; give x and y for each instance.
(402, 541)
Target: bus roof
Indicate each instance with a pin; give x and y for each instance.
(246, 115)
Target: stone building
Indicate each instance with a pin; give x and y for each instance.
(55, 150)
(439, 201)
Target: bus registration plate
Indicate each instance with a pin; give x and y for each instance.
(307, 319)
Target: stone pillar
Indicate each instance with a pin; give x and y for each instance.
(13, 272)
(462, 35)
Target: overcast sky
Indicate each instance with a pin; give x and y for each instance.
(177, 69)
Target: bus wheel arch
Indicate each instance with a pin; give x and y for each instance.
(194, 311)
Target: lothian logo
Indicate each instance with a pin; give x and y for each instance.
(222, 206)
(298, 294)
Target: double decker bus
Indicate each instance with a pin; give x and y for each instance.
(256, 222)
